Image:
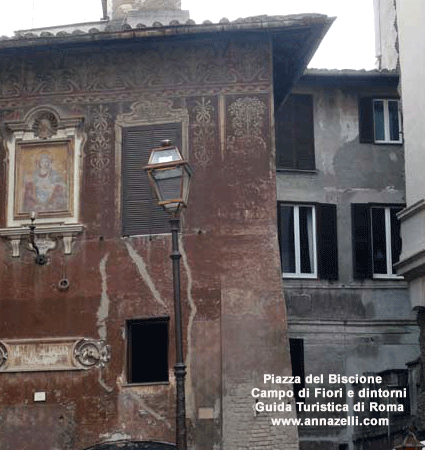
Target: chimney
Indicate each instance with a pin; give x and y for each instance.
(105, 10)
(148, 11)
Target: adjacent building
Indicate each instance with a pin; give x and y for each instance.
(405, 45)
(340, 186)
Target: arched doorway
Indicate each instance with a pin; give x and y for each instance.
(133, 445)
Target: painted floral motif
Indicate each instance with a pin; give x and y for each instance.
(100, 143)
(247, 120)
(247, 116)
(159, 65)
(203, 131)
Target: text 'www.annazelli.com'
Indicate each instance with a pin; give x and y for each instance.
(330, 421)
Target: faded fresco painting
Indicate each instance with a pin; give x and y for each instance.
(44, 179)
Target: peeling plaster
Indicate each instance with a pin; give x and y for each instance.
(190, 401)
(114, 437)
(107, 388)
(102, 314)
(141, 267)
(103, 311)
(145, 409)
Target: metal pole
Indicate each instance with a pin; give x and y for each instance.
(180, 367)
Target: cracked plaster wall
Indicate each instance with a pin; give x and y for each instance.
(234, 318)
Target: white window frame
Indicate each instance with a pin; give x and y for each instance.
(387, 140)
(298, 273)
(388, 246)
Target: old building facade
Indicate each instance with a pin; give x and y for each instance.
(81, 336)
(340, 184)
(405, 49)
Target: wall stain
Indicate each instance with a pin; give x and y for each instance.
(103, 311)
(190, 404)
(141, 266)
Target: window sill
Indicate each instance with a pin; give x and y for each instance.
(300, 171)
(153, 383)
(372, 284)
(299, 276)
(387, 277)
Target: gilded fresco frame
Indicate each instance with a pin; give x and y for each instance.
(44, 181)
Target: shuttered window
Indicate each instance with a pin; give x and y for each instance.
(295, 134)
(379, 121)
(327, 242)
(141, 213)
(308, 241)
(376, 240)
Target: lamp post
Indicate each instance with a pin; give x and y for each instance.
(170, 176)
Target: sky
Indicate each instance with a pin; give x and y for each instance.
(349, 44)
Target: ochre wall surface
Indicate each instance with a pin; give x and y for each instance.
(234, 312)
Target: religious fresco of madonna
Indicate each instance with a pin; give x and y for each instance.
(43, 180)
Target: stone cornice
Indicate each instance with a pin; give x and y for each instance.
(411, 210)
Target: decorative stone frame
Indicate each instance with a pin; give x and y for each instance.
(53, 354)
(44, 124)
(148, 111)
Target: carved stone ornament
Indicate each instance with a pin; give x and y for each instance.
(92, 353)
(52, 354)
(45, 125)
(3, 355)
(43, 245)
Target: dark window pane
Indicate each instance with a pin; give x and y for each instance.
(296, 348)
(147, 351)
(393, 117)
(362, 254)
(378, 113)
(287, 239)
(395, 235)
(306, 239)
(379, 241)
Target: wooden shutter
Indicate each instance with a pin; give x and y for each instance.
(141, 213)
(395, 235)
(295, 134)
(327, 242)
(366, 128)
(362, 246)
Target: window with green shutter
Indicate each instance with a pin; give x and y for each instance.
(141, 214)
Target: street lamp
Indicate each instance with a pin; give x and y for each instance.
(170, 176)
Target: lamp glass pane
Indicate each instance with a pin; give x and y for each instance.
(168, 183)
(167, 155)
